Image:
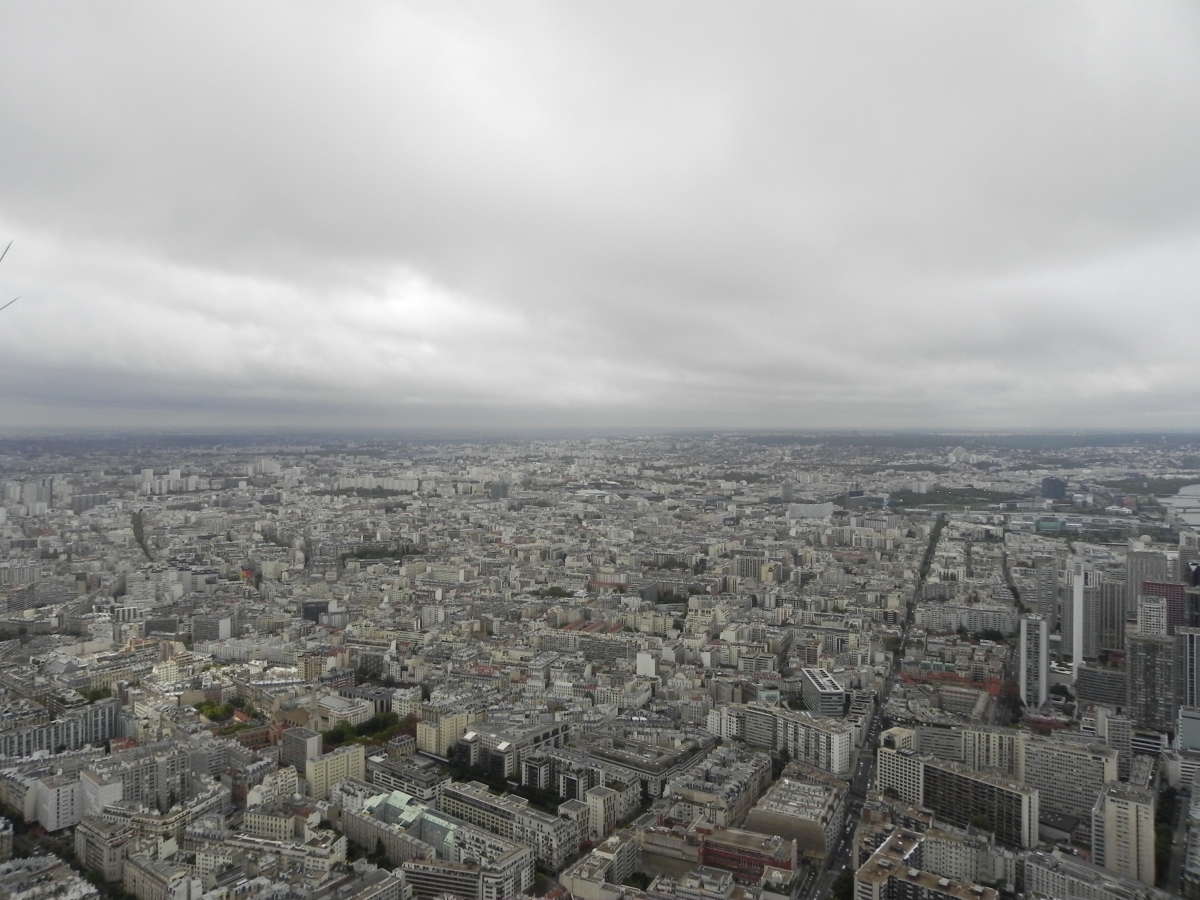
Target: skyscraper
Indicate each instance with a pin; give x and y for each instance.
(1035, 661)
(1151, 663)
(1045, 600)
(1187, 666)
(1172, 596)
(1142, 566)
(1112, 615)
(1081, 614)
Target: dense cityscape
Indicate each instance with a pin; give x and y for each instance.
(957, 667)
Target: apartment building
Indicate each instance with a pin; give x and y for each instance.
(327, 770)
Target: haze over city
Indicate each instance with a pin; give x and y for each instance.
(612, 215)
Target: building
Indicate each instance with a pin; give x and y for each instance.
(1152, 615)
(964, 797)
(1068, 776)
(438, 733)
(1142, 566)
(414, 775)
(747, 854)
(992, 749)
(1112, 615)
(810, 811)
(327, 770)
(335, 711)
(1150, 662)
(609, 806)
(724, 785)
(1045, 599)
(961, 796)
(297, 746)
(152, 879)
(897, 871)
(553, 839)
(821, 693)
(102, 846)
(1187, 666)
(1081, 614)
(59, 802)
(807, 738)
(274, 824)
(1104, 685)
(1123, 831)
(1035, 661)
(1069, 878)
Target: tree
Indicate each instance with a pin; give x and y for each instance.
(843, 885)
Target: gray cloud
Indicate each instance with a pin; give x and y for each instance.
(669, 214)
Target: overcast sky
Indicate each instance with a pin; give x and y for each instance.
(650, 214)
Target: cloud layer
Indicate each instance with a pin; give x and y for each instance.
(629, 214)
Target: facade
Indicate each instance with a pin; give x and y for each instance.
(72, 729)
(1150, 661)
(822, 694)
(59, 803)
(962, 796)
(820, 742)
(1035, 661)
(553, 839)
(151, 879)
(1123, 831)
(101, 846)
(327, 770)
(1045, 601)
(297, 746)
(1187, 666)
(416, 776)
(436, 736)
(1068, 776)
(724, 785)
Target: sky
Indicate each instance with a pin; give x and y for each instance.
(653, 215)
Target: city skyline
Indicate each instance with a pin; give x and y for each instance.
(664, 217)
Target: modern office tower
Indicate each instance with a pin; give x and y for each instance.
(1068, 776)
(1152, 616)
(1035, 661)
(1054, 488)
(1123, 831)
(1142, 566)
(1112, 615)
(1045, 600)
(821, 693)
(1187, 666)
(297, 746)
(1150, 662)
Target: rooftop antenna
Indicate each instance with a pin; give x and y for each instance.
(14, 299)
